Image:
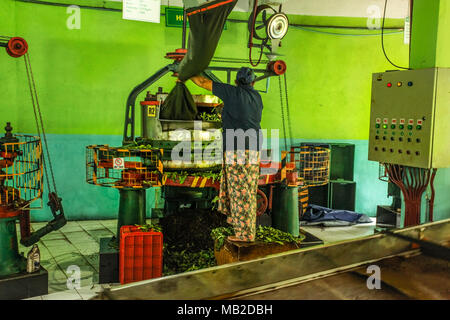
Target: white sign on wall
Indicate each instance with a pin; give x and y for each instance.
(142, 10)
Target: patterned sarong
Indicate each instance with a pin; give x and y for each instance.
(238, 188)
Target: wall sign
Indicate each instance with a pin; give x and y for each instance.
(142, 10)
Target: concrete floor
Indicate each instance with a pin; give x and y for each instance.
(77, 244)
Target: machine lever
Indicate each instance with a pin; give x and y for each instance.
(58, 222)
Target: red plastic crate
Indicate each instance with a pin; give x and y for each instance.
(141, 254)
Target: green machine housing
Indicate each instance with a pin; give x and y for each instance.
(409, 118)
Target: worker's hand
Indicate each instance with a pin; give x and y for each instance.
(202, 82)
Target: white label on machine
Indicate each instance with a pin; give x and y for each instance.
(119, 163)
(378, 120)
(411, 121)
(142, 10)
(385, 120)
(394, 121)
(419, 122)
(407, 31)
(402, 121)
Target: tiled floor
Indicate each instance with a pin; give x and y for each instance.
(77, 244)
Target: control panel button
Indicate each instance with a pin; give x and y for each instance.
(410, 127)
(418, 127)
(377, 125)
(392, 126)
(401, 126)
(410, 83)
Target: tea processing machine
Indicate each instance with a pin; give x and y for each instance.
(24, 163)
(191, 181)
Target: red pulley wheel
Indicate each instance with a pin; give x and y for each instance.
(278, 67)
(16, 47)
(261, 203)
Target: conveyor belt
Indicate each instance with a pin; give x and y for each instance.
(403, 277)
(295, 273)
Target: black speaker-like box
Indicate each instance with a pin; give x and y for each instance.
(342, 195)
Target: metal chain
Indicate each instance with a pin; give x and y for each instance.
(39, 122)
(282, 113)
(287, 110)
(36, 119)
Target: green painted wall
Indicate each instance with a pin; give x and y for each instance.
(443, 56)
(84, 77)
(424, 33)
(430, 43)
(8, 66)
(87, 74)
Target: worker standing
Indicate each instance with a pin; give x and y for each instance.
(242, 140)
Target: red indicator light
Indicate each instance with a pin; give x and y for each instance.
(389, 85)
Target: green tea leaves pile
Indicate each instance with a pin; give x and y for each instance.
(272, 235)
(184, 261)
(220, 235)
(180, 176)
(149, 227)
(213, 117)
(263, 234)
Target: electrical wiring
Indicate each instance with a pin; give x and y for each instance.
(382, 39)
(344, 34)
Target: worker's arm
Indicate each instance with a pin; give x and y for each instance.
(203, 82)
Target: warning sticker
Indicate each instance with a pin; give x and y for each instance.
(394, 121)
(385, 120)
(378, 120)
(402, 121)
(152, 111)
(411, 121)
(119, 163)
(419, 122)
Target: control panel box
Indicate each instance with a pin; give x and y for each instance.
(409, 118)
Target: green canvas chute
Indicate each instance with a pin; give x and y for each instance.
(206, 25)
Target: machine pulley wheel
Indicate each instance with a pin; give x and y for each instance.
(16, 47)
(261, 203)
(252, 25)
(278, 67)
(277, 26)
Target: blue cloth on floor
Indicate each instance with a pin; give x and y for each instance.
(332, 217)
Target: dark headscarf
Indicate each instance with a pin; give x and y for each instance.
(245, 76)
